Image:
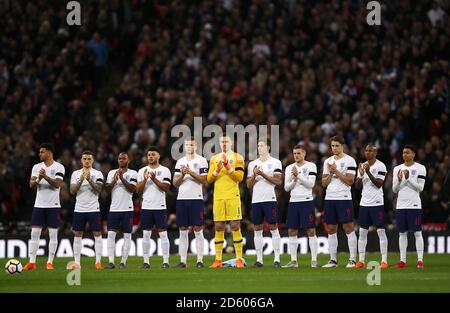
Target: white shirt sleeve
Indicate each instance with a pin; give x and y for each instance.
(351, 166)
(278, 167)
(110, 177)
(60, 172)
(395, 182)
(74, 178)
(99, 177)
(35, 171)
(203, 167)
(326, 171)
(418, 183)
(250, 168)
(140, 175)
(289, 182)
(177, 170)
(166, 177)
(381, 172)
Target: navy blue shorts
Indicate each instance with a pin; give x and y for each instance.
(153, 218)
(264, 211)
(121, 221)
(408, 220)
(46, 217)
(338, 211)
(190, 213)
(80, 219)
(301, 215)
(371, 215)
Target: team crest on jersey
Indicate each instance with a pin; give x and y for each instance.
(195, 165)
(52, 173)
(342, 164)
(269, 166)
(413, 172)
(158, 173)
(231, 161)
(373, 171)
(304, 170)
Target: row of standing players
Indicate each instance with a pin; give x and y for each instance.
(226, 171)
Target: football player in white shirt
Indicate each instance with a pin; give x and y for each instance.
(408, 181)
(190, 177)
(121, 183)
(299, 180)
(338, 175)
(154, 181)
(46, 177)
(371, 175)
(263, 175)
(86, 184)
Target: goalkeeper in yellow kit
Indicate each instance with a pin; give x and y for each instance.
(226, 171)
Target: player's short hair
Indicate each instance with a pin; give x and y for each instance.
(47, 146)
(302, 147)
(337, 138)
(410, 147)
(123, 152)
(154, 148)
(87, 152)
(371, 144)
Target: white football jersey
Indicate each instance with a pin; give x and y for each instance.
(46, 195)
(121, 198)
(337, 190)
(302, 189)
(153, 197)
(409, 189)
(190, 189)
(87, 198)
(263, 190)
(372, 195)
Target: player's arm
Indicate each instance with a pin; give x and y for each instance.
(128, 185)
(347, 178)
(200, 178)
(418, 184)
(111, 181)
(142, 181)
(97, 186)
(238, 173)
(289, 179)
(33, 182)
(310, 181)
(54, 182)
(326, 175)
(75, 184)
(177, 179)
(359, 177)
(397, 180)
(214, 170)
(251, 176)
(275, 179)
(163, 185)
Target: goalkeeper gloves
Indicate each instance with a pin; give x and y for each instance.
(227, 164)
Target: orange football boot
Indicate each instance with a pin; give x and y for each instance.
(216, 264)
(30, 266)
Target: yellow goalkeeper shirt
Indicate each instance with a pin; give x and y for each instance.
(226, 186)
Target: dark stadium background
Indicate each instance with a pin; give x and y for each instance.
(135, 68)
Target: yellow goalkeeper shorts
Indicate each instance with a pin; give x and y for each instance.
(227, 210)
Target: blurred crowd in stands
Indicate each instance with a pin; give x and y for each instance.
(315, 68)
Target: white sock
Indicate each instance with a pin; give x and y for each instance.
(259, 242)
(165, 246)
(53, 244)
(276, 242)
(34, 243)
(111, 245)
(314, 246)
(383, 244)
(126, 247)
(332, 246)
(77, 249)
(98, 246)
(403, 244)
(199, 244)
(293, 245)
(362, 243)
(419, 245)
(352, 245)
(183, 245)
(146, 245)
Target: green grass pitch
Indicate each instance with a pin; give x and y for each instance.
(435, 277)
